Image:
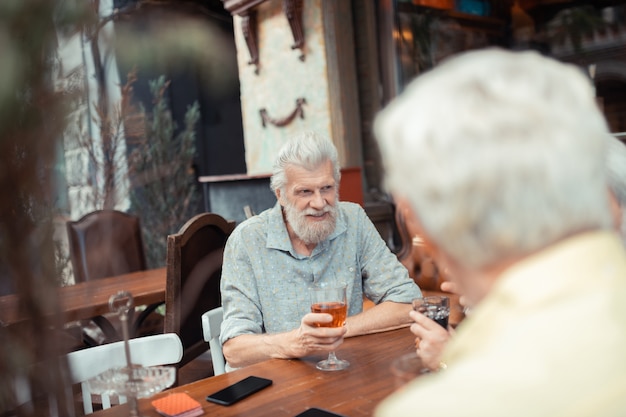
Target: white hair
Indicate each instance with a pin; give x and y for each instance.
(616, 174)
(499, 153)
(308, 150)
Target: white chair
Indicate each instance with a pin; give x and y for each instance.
(161, 349)
(211, 323)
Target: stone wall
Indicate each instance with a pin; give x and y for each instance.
(330, 108)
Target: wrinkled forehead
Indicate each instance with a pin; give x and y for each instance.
(303, 177)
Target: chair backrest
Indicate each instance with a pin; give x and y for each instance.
(161, 349)
(194, 269)
(105, 243)
(211, 324)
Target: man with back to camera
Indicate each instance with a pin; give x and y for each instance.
(307, 238)
(433, 338)
(511, 195)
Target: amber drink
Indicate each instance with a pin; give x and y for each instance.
(336, 309)
(331, 299)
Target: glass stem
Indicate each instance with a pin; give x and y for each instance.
(331, 357)
(133, 405)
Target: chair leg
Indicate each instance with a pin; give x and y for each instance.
(110, 333)
(142, 317)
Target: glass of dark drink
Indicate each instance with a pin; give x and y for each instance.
(436, 307)
(330, 299)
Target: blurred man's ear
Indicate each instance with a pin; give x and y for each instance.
(413, 225)
(616, 211)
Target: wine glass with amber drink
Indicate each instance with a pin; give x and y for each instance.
(330, 299)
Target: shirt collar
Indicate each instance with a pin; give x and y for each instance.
(535, 282)
(579, 257)
(278, 237)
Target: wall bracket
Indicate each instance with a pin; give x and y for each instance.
(245, 9)
(298, 111)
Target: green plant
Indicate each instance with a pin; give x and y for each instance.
(164, 191)
(574, 24)
(421, 27)
(106, 150)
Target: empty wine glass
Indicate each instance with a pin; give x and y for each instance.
(330, 299)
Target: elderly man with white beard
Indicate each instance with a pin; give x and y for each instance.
(309, 237)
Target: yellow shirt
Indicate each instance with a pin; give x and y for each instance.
(548, 340)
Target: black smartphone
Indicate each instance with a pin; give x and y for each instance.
(318, 412)
(239, 390)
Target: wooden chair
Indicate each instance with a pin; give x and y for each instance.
(422, 267)
(211, 325)
(247, 210)
(105, 243)
(162, 349)
(194, 268)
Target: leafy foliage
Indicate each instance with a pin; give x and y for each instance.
(164, 193)
(106, 152)
(574, 24)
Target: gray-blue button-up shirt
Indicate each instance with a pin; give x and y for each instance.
(265, 282)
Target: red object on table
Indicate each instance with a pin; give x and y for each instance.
(178, 404)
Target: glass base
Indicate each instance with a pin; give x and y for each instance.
(332, 365)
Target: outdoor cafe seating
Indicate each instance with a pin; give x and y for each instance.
(106, 243)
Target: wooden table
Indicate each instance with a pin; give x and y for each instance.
(298, 385)
(88, 299)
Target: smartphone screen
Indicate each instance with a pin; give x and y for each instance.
(318, 412)
(239, 390)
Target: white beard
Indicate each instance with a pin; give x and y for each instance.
(311, 233)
